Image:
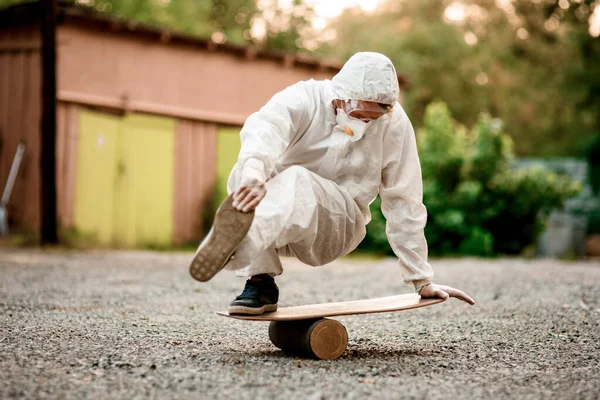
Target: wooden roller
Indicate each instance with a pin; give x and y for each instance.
(322, 338)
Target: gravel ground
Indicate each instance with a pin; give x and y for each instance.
(134, 325)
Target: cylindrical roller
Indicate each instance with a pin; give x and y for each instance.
(322, 338)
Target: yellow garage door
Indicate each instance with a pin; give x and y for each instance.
(96, 175)
(228, 148)
(137, 180)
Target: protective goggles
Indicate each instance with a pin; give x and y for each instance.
(366, 110)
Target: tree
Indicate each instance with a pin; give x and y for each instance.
(519, 60)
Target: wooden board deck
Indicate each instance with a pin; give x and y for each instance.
(367, 306)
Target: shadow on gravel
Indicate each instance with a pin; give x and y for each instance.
(367, 353)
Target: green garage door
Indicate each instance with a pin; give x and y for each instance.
(228, 148)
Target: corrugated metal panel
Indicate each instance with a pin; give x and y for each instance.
(20, 111)
(195, 178)
(66, 161)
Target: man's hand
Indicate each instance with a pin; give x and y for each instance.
(249, 194)
(443, 292)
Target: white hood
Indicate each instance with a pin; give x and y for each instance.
(368, 77)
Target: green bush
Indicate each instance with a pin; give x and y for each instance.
(477, 203)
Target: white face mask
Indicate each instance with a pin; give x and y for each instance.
(354, 128)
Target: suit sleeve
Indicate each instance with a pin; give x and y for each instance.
(401, 193)
(268, 132)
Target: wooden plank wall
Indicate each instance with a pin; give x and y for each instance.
(195, 178)
(137, 74)
(20, 113)
(67, 129)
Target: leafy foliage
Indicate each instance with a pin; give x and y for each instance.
(477, 203)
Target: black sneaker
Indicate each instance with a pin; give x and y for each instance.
(260, 295)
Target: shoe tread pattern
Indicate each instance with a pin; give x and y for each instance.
(229, 229)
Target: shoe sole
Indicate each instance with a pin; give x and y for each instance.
(242, 310)
(229, 229)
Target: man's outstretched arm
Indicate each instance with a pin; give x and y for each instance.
(401, 193)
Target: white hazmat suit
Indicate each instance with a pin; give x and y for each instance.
(320, 180)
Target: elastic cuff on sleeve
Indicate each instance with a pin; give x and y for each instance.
(421, 283)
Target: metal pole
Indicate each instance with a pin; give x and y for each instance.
(12, 176)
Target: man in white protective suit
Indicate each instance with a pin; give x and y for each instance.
(312, 160)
